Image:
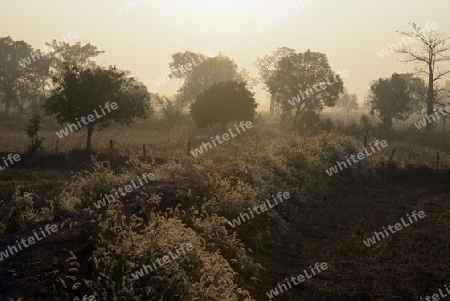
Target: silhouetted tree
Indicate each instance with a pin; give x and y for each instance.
(81, 91)
(200, 72)
(77, 54)
(39, 81)
(418, 92)
(12, 74)
(390, 99)
(171, 110)
(308, 77)
(347, 102)
(222, 103)
(430, 50)
(32, 132)
(267, 66)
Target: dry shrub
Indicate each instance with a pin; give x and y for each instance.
(125, 244)
(21, 209)
(88, 186)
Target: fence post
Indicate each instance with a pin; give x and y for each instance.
(437, 160)
(365, 139)
(236, 152)
(144, 151)
(392, 154)
(189, 147)
(111, 147)
(56, 147)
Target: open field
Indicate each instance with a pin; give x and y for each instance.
(325, 220)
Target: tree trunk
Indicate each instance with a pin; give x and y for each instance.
(430, 95)
(387, 123)
(9, 95)
(90, 130)
(272, 105)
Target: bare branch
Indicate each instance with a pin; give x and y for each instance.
(414, 56)
(441, 75)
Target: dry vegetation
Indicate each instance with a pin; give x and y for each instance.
(325, 220)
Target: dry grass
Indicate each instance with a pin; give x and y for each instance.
(326, 220)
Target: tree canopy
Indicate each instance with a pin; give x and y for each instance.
(81, 91)
(418, 92)
(222, 103)
(390, 99)
(13, 76)
(267, 65)
(25, 73)
(299, 73)
(347, 102)
(202, 74)
(77, 54)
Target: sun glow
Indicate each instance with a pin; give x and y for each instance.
(219, 7)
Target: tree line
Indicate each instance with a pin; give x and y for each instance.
(68, 84)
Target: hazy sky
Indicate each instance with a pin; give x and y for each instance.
(349, 32)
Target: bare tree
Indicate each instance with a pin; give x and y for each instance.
(347, 102)
(430, 50)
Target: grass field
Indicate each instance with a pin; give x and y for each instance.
(192, 200)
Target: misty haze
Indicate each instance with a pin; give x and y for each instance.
(224, 150)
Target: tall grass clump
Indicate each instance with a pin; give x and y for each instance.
(126, 244)
(87, 186)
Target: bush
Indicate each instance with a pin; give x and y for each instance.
(88, 186)
(21, 209)
(172, 114)
(32, 131)
(307, 122)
